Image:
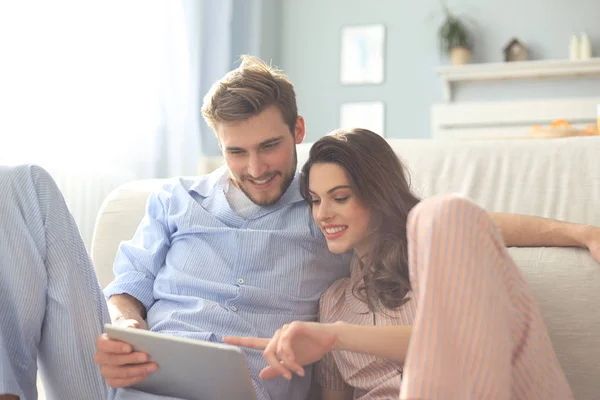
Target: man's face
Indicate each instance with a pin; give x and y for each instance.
(261, 154)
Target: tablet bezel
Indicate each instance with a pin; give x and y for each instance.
(187, 368)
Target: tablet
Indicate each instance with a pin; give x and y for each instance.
(189, 369)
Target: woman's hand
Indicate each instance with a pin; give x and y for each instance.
(291, 347)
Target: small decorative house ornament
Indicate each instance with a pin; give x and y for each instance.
(515, 51)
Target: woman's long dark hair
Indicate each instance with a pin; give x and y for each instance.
(379, 180)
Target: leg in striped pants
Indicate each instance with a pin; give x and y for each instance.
(52, 307)
(478, 332)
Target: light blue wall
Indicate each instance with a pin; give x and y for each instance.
(310, 52)
(256, 29)
(232, 28)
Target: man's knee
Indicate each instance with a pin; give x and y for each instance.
(39, 178)
(26, 188)
(8, 397)
(23, 179)
(18, 173)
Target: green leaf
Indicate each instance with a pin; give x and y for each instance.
(453, 33)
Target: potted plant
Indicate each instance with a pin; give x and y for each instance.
(454, 38)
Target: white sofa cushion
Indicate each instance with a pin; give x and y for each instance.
(566, 285)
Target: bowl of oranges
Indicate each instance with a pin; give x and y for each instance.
(560, 128)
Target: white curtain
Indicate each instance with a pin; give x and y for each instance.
(100, 92)
(108, 85)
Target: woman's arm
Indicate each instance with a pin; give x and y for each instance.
(329, 394)
(301, 343)
(380, 341)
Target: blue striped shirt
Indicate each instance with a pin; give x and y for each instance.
(204, 272)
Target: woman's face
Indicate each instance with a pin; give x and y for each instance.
(343, 219)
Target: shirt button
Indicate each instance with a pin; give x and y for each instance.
(233, 308)
(240, 281)
(379, 360)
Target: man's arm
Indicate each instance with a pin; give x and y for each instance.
(131, 294)
(124, 307)
(139, 260)
(119, 364)
(528, 231)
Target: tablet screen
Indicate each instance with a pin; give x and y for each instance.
(187, 368)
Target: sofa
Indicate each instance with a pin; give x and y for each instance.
(557, 178)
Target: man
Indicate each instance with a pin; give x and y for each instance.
(232, 253)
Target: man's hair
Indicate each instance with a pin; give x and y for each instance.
(248, 90)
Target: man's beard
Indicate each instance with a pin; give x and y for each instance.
(285, 184)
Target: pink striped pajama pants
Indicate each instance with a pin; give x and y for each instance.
(478, 332)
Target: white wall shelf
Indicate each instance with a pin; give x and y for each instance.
(515, 70)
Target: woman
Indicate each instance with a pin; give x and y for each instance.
(433, 300)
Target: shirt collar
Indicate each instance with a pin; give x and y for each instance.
(206, 185)
(292, 193)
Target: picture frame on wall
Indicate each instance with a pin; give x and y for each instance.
(367, 115)
(362, 55)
